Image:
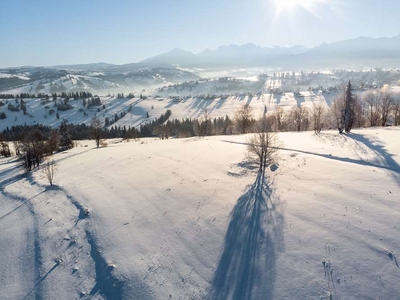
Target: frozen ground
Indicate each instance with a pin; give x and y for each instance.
(190, 219)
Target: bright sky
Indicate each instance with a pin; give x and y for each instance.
(51, 32)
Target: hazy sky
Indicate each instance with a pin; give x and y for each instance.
(51, 32)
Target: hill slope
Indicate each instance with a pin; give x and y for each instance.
(188, 219)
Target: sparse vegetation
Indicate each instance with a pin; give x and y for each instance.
(96, 129)
(262, 145)
(49, 169)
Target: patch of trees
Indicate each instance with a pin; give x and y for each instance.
(33, 143)
(376, 108)
(12, 107)
(26, 95)
(95, 101)
(63, 105)
(33, 149)
(72, 95)
(244, 120)
(18, 106)
(148, 129)
(7, 96)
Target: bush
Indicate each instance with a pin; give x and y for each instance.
(32, 151)
(4, 147)
(49, 169)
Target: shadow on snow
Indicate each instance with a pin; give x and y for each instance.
(246, 269)
(383, 158)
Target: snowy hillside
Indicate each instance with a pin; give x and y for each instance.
(190, 219)
(97, 79)
(136, 109)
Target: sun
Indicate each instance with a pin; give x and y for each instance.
(283, 5)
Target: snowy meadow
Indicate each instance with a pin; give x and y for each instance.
(192, 219)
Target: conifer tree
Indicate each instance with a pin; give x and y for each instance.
(348, 114)
(65, 137)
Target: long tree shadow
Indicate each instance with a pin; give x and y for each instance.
(382, 156)
(246, 269)
(220, 102)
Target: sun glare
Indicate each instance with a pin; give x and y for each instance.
(292, 4)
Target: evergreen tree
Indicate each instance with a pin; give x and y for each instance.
(65, 137)
(348, 113)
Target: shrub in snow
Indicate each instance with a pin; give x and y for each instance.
(49, 169)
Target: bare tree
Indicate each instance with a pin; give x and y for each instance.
(17, 146)
(359, 113)
(318, 117)
(371, 100)
(202, 126)
(163, 131)
(32, 150)
(262, 145)
(96, 128)
(49, 169)
(385, 105)
(336, 111)
(243, 119)
(396, 111)
(298, 116)
(279, 120)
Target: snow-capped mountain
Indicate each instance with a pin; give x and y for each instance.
(249, 55)
(362, 51)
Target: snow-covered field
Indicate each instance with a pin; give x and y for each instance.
(190, 219)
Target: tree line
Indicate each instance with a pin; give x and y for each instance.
(76, 95)
(376, 108)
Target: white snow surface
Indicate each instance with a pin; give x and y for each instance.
(191, 219)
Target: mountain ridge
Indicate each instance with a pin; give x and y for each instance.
(360, 50)
(368, 51)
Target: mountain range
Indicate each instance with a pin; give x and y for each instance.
(362, 51)
(178, 65)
